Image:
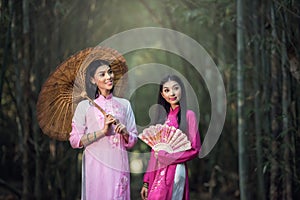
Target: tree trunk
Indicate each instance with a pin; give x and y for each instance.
(291, 137)
(287, 190)
(8, 8)
(40, 35)
(243, 165)
(287, 140)
(265, 62)
(257, 106)
(24, 107)
(275, 111)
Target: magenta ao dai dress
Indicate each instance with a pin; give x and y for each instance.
(167, 175)
(105, 165)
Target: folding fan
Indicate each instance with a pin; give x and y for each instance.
(164, 137)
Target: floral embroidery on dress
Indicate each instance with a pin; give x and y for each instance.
(172, 118)
(121, 188)
(158, 181)
(114, 140)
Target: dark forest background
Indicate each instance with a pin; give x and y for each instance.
(255, 44)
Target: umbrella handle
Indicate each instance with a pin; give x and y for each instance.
(101, 109)
(96, 105)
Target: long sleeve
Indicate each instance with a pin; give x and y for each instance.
(194, 137)
(150, 168)
(146, 175)
(131, 127)
(78, 124)
(146, 178)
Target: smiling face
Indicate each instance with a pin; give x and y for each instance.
(171, 92)
(103, 78)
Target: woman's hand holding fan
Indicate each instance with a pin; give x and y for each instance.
(164, 137)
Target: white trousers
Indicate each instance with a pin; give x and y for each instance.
(179, 182)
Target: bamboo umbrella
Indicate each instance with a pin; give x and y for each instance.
(65, 88)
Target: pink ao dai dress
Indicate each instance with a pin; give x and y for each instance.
(167, 173)
(105, 165)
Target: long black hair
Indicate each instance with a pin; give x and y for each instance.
(163, 113)
(92, 89)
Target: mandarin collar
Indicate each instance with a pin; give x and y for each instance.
(175, 111)
(101, 97)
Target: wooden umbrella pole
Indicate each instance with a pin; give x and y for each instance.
(84, 95)
(97, 106)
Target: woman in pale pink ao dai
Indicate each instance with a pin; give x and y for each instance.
(166, 177)
(105, 166)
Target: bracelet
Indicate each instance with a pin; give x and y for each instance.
(145, 185)
(87, 136)
(95, 135)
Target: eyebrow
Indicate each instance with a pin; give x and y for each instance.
(104, 70)
(176, 84)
